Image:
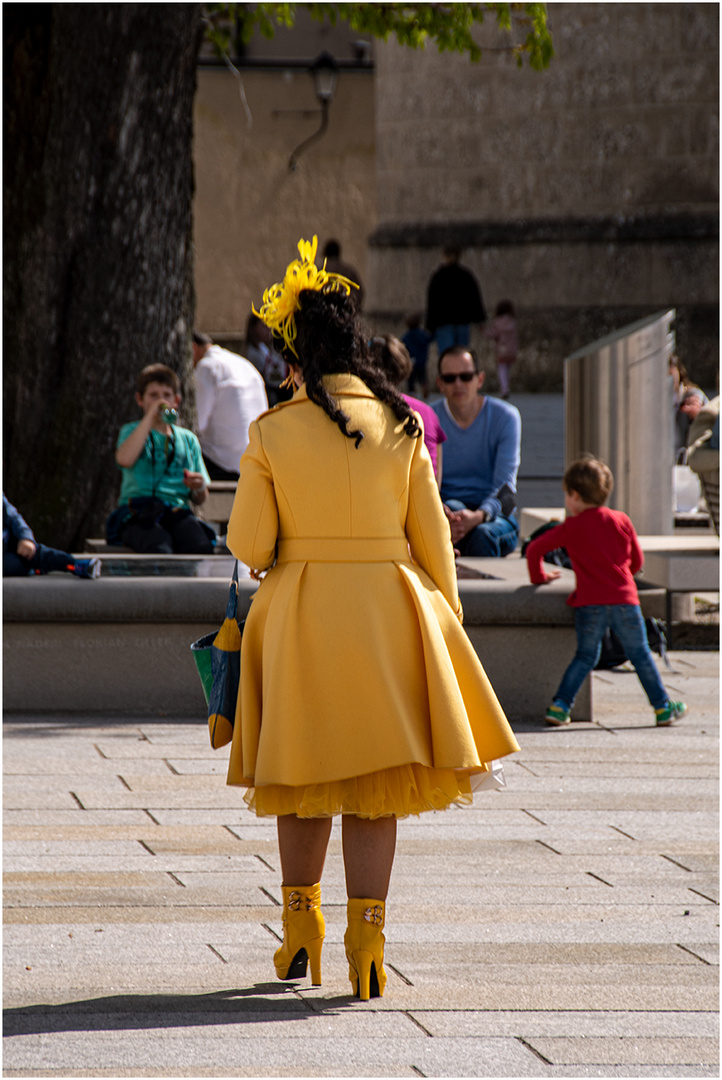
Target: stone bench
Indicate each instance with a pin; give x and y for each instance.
(219, 503)
(680, 565)
(533, 517)
(100, 547)
(121, 644)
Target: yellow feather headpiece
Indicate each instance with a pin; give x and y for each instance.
(280, 301)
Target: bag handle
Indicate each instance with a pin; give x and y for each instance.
(232, 605)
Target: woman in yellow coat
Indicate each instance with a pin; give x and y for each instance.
(360, 692)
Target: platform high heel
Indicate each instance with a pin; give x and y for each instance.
(304, 928)
(364, 941)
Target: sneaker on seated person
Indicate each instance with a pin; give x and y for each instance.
(87, 568)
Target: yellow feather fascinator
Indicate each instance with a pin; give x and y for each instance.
(280, 301)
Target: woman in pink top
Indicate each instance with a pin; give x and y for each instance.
(502, 330)
(392, 356)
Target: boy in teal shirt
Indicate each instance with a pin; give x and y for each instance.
(163, 471)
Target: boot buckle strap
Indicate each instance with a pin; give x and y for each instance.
(374, 915)
(298, 902)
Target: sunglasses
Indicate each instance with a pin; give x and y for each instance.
(465, 376)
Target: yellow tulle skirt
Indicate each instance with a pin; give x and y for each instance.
(396, 792)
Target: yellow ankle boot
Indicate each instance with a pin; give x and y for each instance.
(364, 943)
(304, 928)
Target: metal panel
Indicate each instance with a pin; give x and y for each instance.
(619, 407)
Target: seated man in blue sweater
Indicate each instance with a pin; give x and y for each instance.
(481, 458)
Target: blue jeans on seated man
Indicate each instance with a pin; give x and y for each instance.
(492, 539)
(451, 334)
(627, 623)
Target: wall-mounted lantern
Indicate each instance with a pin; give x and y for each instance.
(324, 70)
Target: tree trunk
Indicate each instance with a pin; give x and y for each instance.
(97, 234)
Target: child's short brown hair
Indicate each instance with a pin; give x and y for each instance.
(591, 479)
(159, 373)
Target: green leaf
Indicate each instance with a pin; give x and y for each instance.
(449, 26)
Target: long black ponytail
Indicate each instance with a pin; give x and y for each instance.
(329, 342)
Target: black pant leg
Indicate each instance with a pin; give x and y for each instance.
(147, 539)
(187, 534)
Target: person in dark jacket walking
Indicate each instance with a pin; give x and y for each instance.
(454, 302)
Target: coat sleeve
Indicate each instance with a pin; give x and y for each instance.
(637, 555)
(253, 526)
(427, 527)
(548, 541)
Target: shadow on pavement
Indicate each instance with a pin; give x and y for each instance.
(143, 1012)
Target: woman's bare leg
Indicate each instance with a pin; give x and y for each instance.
(302, 843)
(368, 855)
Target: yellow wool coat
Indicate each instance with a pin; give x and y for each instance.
(360, 691)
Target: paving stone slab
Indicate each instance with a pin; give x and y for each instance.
(475, 1023)
(573, 1072)
(628, 1050)
(58, 818)
(290, 1055)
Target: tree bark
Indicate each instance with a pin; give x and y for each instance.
(97, 235)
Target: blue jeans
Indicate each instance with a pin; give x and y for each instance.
(43, 561)
(492, 539)
(451, 334)
(627, 623)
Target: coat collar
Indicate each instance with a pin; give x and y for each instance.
(338, 385)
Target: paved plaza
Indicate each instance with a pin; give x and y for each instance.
(566, 926)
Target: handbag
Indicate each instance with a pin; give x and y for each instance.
(613, 652)
(218, 660)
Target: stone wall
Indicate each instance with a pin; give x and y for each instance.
(587, 193)
(250, 209)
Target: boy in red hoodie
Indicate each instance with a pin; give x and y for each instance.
(605, 555)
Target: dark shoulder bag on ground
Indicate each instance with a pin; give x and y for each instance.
(613, 654)
(218, 659)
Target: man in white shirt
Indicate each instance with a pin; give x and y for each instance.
(230, 394)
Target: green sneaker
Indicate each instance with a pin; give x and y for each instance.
(557, 715)
(675, 710)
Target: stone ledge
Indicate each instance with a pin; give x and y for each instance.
(506, 600)
(609, 229)
(119, 600)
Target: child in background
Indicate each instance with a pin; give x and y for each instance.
(163, 475)
(605, 554)
(416, 341)
(502, 330)
(23, 555)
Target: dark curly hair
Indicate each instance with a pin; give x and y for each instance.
(329, 342)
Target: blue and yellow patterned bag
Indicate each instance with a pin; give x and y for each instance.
(218, 660)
